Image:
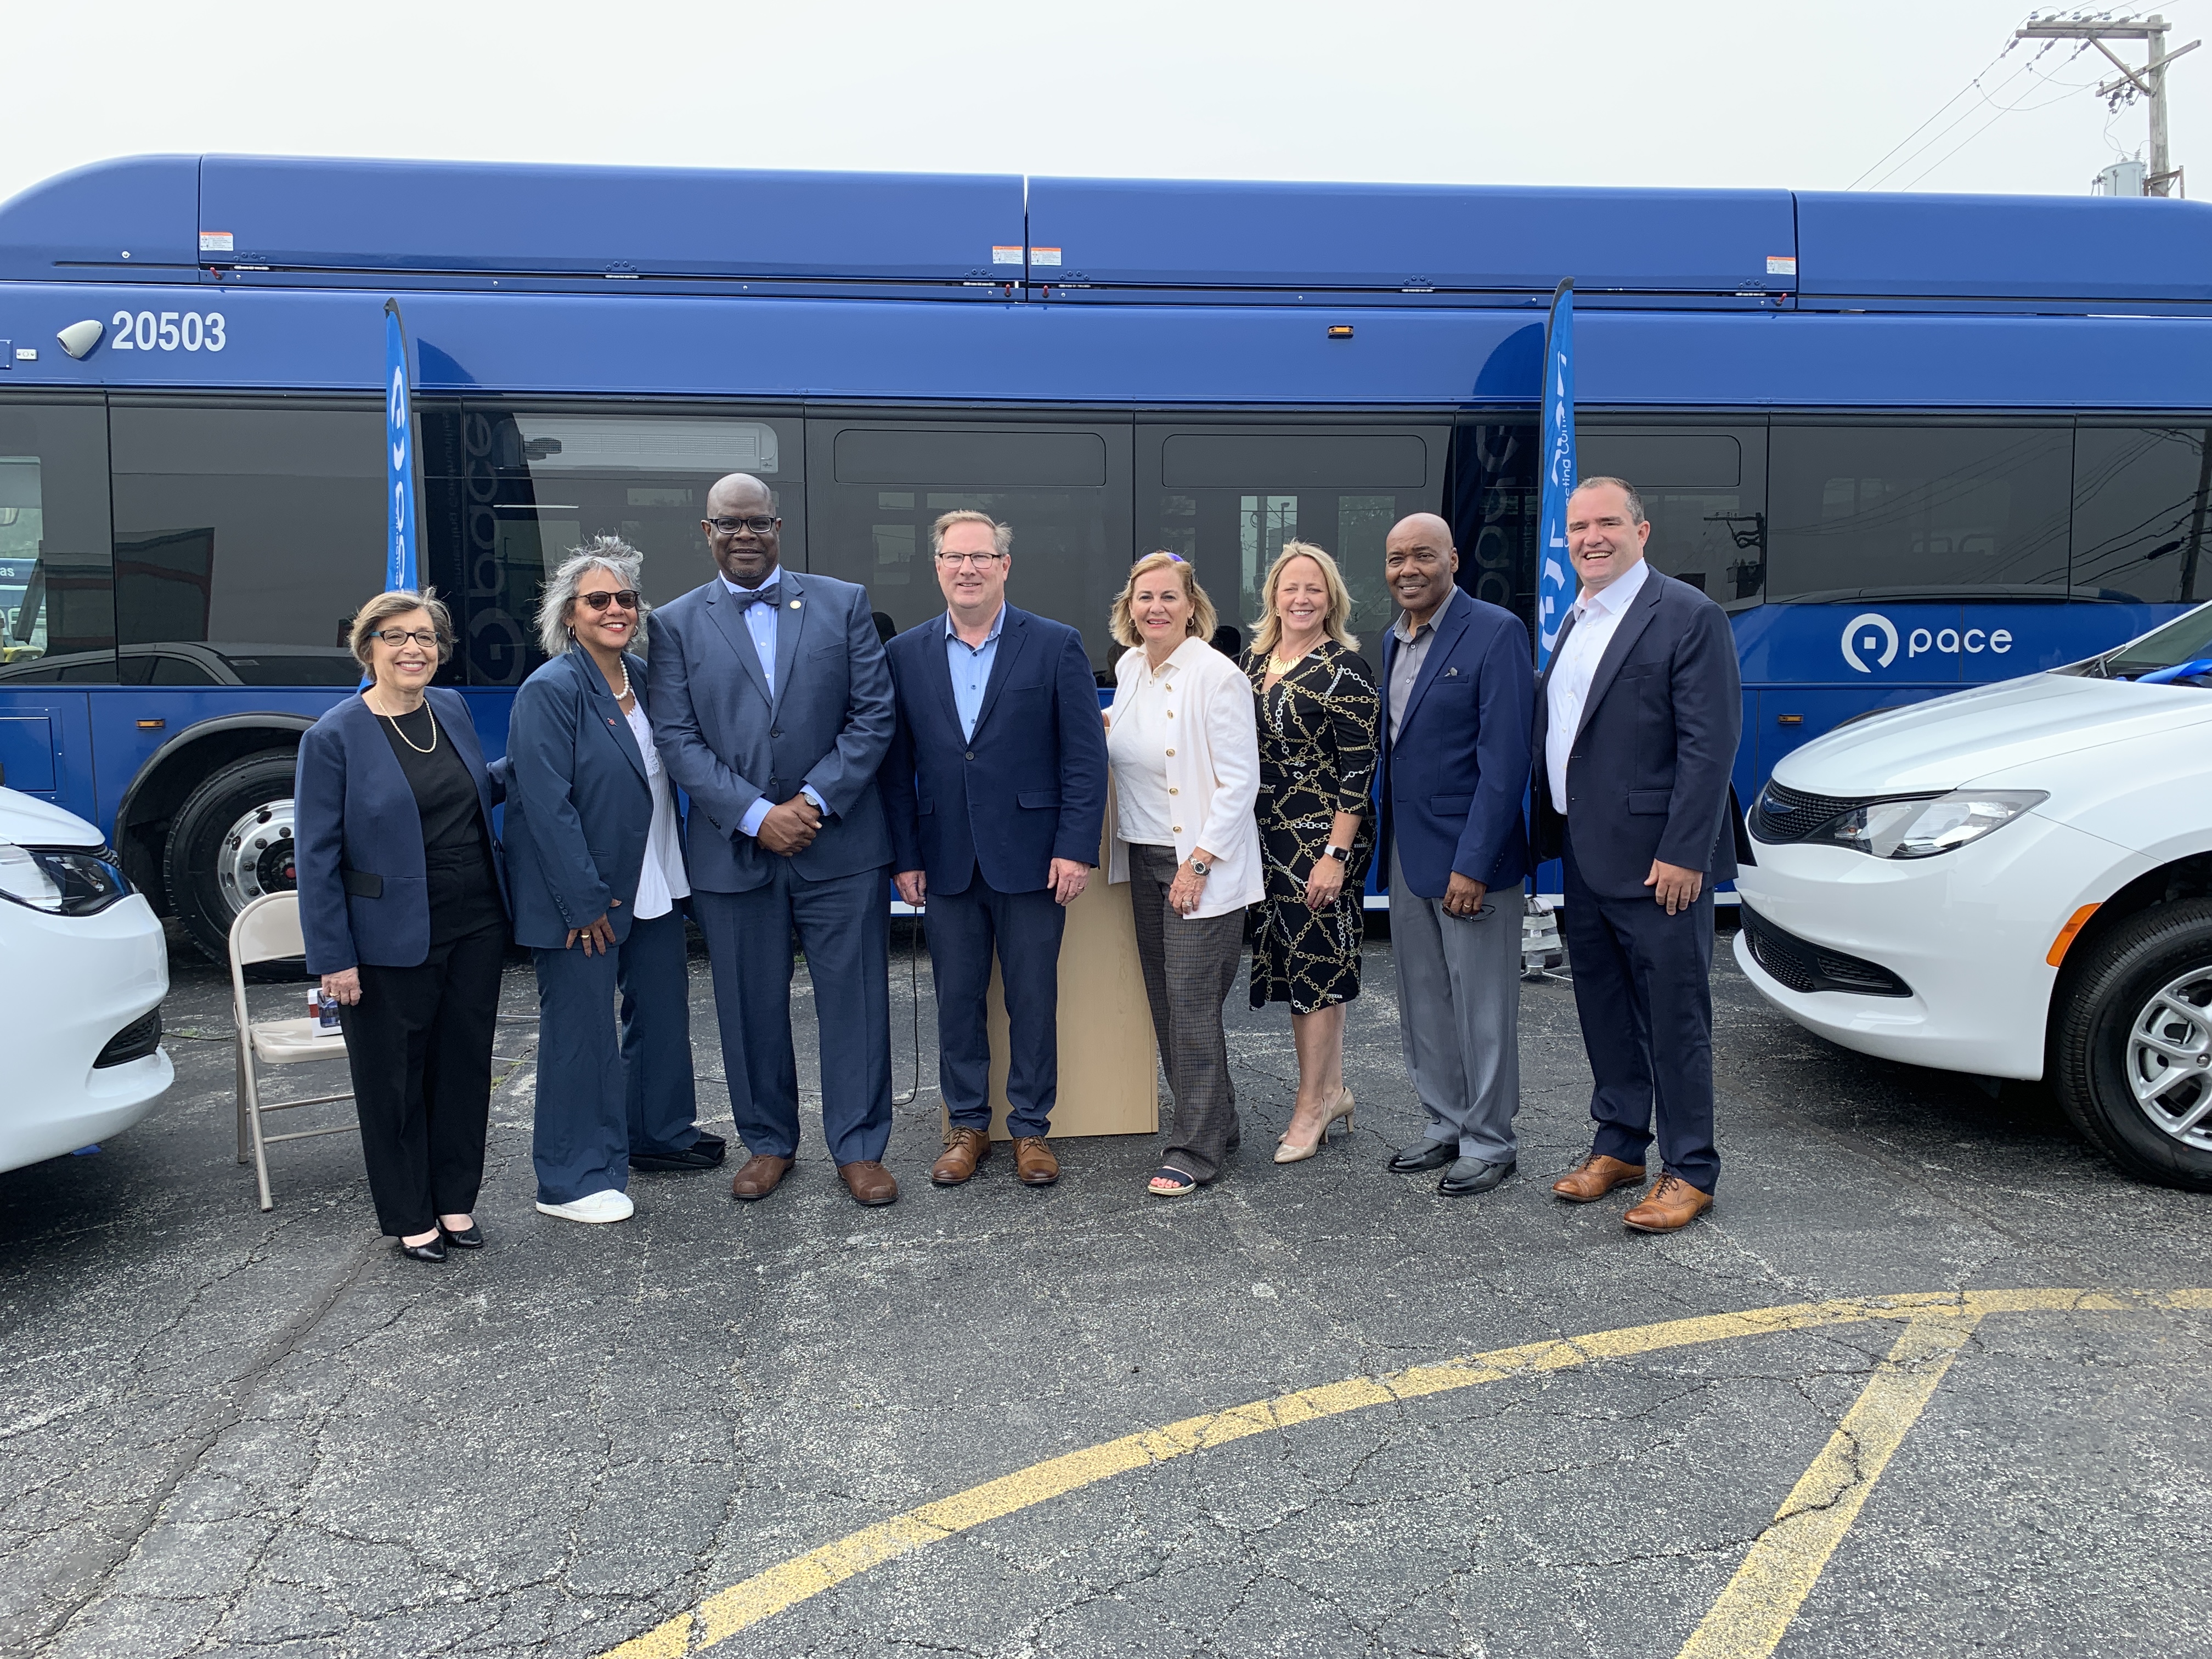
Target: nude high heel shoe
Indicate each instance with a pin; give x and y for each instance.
(1288, 1154)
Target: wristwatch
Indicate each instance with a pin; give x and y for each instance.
(1201, 868)
(1341, 854)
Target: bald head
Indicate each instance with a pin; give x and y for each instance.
(747, 554)
(1419, 562)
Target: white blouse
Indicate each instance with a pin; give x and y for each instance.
(1194, 737)
(661, 882)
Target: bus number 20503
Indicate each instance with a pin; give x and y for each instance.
(170, 331)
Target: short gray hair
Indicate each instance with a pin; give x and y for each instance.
(1628, 489)
(1002, 535)
(609, 553)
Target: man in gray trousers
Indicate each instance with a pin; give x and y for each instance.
(1459, 694)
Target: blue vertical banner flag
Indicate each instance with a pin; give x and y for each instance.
(1555, 572)
(400, 569)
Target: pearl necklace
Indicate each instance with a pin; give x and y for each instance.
(404, 737)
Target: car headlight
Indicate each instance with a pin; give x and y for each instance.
(63, 881)
(1921, 828)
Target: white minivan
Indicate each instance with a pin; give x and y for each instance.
(2016, 882)
(84, 968)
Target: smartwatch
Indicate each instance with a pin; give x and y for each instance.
(1341, 854)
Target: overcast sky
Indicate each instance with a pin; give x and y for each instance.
(1601, 92)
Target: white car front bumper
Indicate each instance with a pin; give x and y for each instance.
(68, 986)
(1968, 932)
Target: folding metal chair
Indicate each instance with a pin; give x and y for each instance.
(268, 930)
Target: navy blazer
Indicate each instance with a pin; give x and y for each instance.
(358, 836)
(1028, 788)
(578, 804)
(1648, 776)
(1454, 777)
(726, 741)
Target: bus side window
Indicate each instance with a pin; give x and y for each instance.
(57, 600)
(1704, 491)
(2140, 513)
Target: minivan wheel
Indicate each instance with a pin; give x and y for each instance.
(231, 843)
(2131, 1047)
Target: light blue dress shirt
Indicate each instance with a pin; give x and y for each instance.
(970, 666)
(761, 622)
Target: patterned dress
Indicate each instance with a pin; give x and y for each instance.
(1318, 729)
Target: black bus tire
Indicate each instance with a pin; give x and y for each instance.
(230, 842)
(2102, 1002)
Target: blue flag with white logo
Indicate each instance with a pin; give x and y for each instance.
(1555, 573)
(399, 567)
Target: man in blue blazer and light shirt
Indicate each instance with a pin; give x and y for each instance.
(996, 787)
(1458, 687)
(1636, 724)
(772, 706)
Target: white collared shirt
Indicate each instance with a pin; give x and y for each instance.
(660, 880)
(1566, 692)
(1143, 733)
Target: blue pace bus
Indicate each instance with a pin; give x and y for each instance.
(1910, 442)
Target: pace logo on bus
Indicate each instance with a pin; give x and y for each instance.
(1872, 641)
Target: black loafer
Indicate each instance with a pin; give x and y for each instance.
(1470, 1176)
(701, 1157)
(470, 1238)
(1431, 1155)
(433, 1251)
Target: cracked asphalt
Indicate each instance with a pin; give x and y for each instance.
(223, 1432)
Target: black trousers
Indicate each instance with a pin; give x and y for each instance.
(1644, 992)
(419, 1044)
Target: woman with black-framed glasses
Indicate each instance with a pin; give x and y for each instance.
(598, 873)
(403, 913)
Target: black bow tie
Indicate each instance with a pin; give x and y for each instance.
(766, 596)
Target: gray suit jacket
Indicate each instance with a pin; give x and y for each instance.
(726, 743)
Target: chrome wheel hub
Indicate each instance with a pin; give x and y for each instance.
(256, 855)
(2170, 1059)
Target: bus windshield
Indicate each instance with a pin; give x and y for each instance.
(2183, 642)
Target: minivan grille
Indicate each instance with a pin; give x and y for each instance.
(140, 1038)
(1806, 967)
(1782, 815)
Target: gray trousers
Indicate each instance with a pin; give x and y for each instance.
(1459, 1012)
(1190, 967)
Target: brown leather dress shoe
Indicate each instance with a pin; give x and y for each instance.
(868, 1181)
(1034, 1162)
(1595, 1176)
(964, 1150)
(758, 1178)
(1672, 1204)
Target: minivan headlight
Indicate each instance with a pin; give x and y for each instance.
(62, 881)
(1921, 828)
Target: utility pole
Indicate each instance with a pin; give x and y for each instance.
(2148, 82)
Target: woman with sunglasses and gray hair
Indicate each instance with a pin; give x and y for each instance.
(596, 869)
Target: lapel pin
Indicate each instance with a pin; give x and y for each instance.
(794, 605)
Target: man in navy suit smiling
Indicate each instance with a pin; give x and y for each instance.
(996, 786)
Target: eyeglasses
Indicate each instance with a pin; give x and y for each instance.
(968, 561)
(401, 635)
(733, 526)
(626, 598)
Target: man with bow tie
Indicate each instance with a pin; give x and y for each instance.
(772, 706)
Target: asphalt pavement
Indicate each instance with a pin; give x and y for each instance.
(997, 1421)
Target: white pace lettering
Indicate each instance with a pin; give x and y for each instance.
(1974, 637)
(1920, 641)
(1948, 641)
(2000, 639)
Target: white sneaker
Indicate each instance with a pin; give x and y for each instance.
(608, 1206)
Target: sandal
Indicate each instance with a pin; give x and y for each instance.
(1179, 1183)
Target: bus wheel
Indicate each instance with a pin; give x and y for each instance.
(2132, 1047)
(230, 843)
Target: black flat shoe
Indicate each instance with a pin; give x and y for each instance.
(701, 1157)
(470, 1238)
(1470, 1176)
(433, 1251)
(1431, 1155)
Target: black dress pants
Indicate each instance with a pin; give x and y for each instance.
(419, 1044)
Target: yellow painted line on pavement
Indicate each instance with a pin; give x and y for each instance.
(779, 1588)
(1749, 1620)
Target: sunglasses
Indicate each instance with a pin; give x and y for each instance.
(626, 598)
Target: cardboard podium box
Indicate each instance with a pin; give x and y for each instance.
(1108, 1061)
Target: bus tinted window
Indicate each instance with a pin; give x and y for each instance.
(1228, 498)
(877, 486)
(1704, 491)
(510, 490)
(244, 539)
(2140, 518)
(57, 611)
(1903, 511)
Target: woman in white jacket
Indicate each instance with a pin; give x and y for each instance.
(1183, 738)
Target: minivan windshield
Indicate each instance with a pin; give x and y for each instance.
(2186, 640)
